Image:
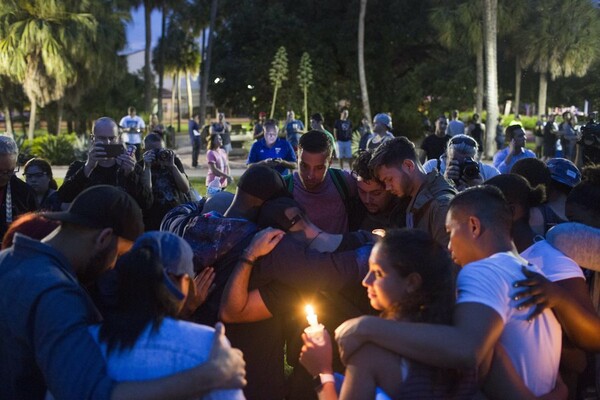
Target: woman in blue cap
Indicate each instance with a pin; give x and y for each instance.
(143, 338)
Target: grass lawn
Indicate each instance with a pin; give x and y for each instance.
(197, 183)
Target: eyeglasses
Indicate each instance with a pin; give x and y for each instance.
(105, 139)
(294, 221)
(34, 175)
(9, 172)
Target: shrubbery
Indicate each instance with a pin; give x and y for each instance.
(60, 149)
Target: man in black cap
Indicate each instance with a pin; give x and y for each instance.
(217, 241)
(45, 311)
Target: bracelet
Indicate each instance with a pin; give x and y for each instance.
(247, 261)
(321, 379)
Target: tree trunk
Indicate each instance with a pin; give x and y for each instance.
(306, 106)
(517, 84)
(178, 101)
(206, 77)
(190, 100)
(490, 39)
(60, 106)
(480, 80)
(273, 102)
(147, 72)
(173, 89)
(7, 117)
(8, 120)
(161, 76)
(361, 60)
(32, 113)
(201, 71)
(543, 91)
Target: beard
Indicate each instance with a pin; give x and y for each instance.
(99, 263)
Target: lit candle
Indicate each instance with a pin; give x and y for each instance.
(311, 317)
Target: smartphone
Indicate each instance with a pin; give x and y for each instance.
(113, 150)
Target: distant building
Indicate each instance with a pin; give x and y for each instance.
(135, 63)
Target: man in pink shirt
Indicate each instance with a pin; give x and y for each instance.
(322, 191)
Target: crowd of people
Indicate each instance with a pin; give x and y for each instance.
(433, 274)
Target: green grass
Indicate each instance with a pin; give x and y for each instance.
(197, 183)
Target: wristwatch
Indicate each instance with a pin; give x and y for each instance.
(321, 379)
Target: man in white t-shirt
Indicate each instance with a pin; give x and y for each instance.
(133, 126)
(479, 222)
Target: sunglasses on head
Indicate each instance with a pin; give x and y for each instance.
(463, 140)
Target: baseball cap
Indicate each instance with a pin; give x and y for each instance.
(383, 119)
(104, 206)
(564, 171)
(317, 117)
(173, 252)
(262, 114)
(263, 182)
(272, 213)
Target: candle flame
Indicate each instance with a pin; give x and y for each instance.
(311, 317)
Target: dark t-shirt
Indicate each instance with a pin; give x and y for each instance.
(343, 130)
(165, 195)
(434, 146)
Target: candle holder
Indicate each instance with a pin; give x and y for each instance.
(315, 332)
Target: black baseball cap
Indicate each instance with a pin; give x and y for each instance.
(104, 206)
(263, 182)
(272, 213)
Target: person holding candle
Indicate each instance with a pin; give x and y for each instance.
(410, 279)
(306, 264)
(486, 313)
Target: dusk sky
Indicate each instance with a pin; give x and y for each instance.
(136, 30)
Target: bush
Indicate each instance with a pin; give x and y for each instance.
(57, 149)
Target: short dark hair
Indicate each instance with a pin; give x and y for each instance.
(316, 142)
(534, 170)
(510, 131)
(131, 109)
(152, 138)
(317, 117)
(393, 152)
(517, 190)
(271, 123)
(486, 203)
(360, 166)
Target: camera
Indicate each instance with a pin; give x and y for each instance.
(590, 141)
(162, 154)
(469, 169)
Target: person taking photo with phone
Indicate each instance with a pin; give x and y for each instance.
(108, 163)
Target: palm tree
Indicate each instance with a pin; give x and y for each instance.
(364, 93)
(460, 25)
(563, 40)
(40, 41)
(149, 5)
(208, 62)
(490, 41)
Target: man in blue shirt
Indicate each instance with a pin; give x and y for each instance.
(293, 129)
(45, 310)
(273, 151)
(516, 150)
(194, 132)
